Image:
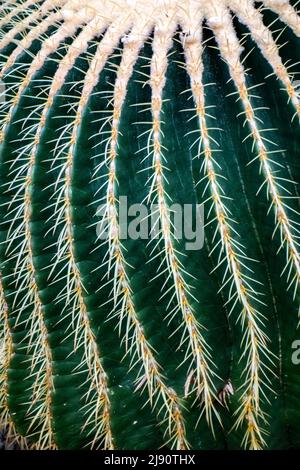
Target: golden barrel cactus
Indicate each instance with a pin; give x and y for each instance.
(149, 339)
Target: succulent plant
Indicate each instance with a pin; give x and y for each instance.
(120, 342)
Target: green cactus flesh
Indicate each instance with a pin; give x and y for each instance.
(140, 342)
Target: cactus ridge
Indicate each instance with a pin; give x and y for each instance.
(100, 335)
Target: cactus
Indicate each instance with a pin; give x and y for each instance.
(114, 342)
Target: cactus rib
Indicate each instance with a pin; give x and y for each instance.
(86, 341)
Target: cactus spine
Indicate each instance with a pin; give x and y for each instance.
(140, 342)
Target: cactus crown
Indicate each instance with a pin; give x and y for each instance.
(112, 343)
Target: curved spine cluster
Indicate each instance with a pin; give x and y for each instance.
(7, 425)
(135, 23)
(10, 11)
(98, 410)
(38, 21)
(230, 50)
(231, 251)
(197, 352)
(252, 18)
(41, 366)
(286, 13)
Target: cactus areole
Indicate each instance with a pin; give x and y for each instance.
(149, 224)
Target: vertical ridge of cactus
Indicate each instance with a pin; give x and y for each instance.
(37, 29)
(10, 10)
(286, 12)
(243, 291)
(134, 343)
(150, 374)
(288, 228)
(6, 422)
(197, 353)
